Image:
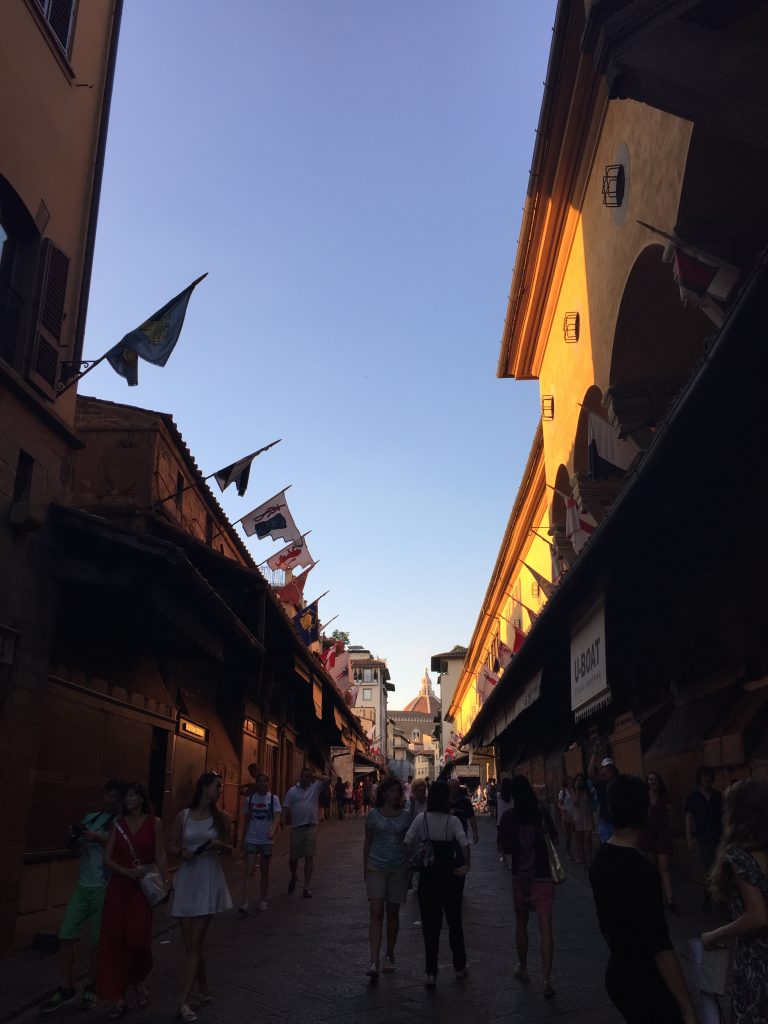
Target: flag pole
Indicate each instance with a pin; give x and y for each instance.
(89, 364)
(174, 494)
(545, 539)
(329, 622)
(318, 598)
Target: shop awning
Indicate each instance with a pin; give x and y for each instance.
(529, 694)
(689, 724)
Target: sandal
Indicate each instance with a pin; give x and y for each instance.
(389, 963)
(187, 1014)
(373, 971)
(119, 1011)
(549, 992)
(142, 996)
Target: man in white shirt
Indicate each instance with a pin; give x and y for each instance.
(261, 816)
(300, 815)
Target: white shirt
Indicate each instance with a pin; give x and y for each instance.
(303, 803)
(260, 814)
(441, 827)
(502, 806)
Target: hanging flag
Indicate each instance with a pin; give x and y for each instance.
(579, 526)
(340, 670)
(699, 274)
(271, 519)
(154, 340)
(609, 456)
(506, 654)
(239, 472)
(292, 592)
(329, 658)
(294, 555)
(352, 694)
(307, 624)
(485, 683)
(547, 587)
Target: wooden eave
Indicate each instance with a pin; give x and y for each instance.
(516, 539)
(572, 112)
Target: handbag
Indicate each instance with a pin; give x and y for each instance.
(151, 882)
(424, 854)
(710, 967)
(556, 868)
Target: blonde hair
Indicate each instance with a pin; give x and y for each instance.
(745, 827)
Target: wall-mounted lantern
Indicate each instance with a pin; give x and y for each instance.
(571, 327)
(614, 181)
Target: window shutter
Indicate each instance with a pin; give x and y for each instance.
(60, 15)
(53, 275)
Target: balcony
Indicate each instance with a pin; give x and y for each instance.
(595, 496)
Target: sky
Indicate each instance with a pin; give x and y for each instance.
(351, 175)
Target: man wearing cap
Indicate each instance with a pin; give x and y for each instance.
(598, 784)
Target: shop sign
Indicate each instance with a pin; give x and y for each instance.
(589, 680)
(191, 729)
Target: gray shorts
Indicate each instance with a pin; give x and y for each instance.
(262, 849)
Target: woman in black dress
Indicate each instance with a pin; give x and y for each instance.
(643, 977)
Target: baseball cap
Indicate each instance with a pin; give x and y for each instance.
(606, 761)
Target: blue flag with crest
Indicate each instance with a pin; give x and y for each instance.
(154, 340)
(307, 624)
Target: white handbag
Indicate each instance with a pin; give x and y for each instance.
(151, 882)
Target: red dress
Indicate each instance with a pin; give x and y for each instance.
(125, 947)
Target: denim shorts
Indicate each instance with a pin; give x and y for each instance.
(262, 849)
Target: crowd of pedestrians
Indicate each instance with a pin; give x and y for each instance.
(420, 837)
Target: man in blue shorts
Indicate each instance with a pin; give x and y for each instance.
(262, 816)
(87, 900)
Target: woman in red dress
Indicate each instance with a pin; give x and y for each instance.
(125, 950)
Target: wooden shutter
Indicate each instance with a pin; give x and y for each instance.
(47, 342)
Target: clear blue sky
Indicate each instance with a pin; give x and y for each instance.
(351, 174)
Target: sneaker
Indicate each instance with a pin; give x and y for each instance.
(430, 981)
(462, 973)
(292, 886)
(58, 999)
(307, 894)
(263, 905)
(243, 910)
(88, 999)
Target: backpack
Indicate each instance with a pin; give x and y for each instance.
(271, 806)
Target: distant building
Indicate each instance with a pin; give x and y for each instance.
(371, 683)
(449, 665)
(416, 722)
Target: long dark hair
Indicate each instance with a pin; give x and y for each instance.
(527, 807)
(745, 827)
(662, 784)
(219, 821)
(506, 789)
(141, 790)
(384, 787)
(439, 798)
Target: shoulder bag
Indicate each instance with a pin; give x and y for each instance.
(151, 882)
(424, 854)
(556, 868)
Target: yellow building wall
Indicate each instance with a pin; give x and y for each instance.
(600, 258)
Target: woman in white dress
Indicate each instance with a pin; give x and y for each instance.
(200, 833)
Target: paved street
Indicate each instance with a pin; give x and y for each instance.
(304, 960)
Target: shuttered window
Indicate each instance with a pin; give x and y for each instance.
(60, 15)
(48, 337)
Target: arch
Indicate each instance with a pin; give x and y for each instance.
(591, 402)
(562, 486)
(657, 343)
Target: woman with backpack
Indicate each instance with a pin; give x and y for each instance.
(440, 853)
(522, 834)
(262, 816)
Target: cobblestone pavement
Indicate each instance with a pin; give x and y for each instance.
(304, 960)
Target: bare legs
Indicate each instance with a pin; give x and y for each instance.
(375, 925)
(662, 863)
(393, 926)
(250, 871)
(193, 931)
(547, 945)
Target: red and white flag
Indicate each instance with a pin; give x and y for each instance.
(485, 683)
(292, 592)
(506, 654)
(294, 555)
(579, 526)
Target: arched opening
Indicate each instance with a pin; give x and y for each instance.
(558, 529)
(601, 457)
(657, 343)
